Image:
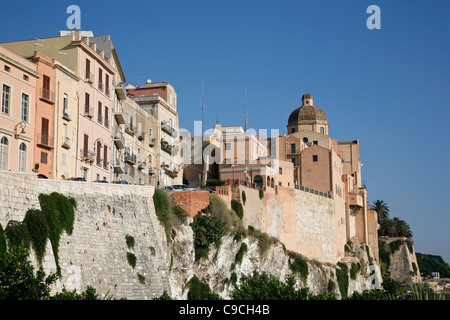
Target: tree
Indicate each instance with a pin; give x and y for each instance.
(17, 278)
(381, 208)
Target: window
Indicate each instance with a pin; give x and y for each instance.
(315, 158)
(3, 153)
(88, 69)
(293, 161)
(6, 99)
(46, 87)
(43, 157)
(305, 139)
(65, 104)
(87, 99)
(25, 77)
(7, 68)
(100, 78)
(22, 157)
(280, 170)
(25, 107)
(106, 117)
(100, 117)
(316, 142)
(227, 146)
(322, 130)
(292, 147)
(292, 130)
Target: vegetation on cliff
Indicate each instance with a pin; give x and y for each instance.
(429, 263)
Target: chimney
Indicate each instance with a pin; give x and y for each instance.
(77, 34)
(101, 53)
(93, 46)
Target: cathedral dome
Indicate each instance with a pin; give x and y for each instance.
(307, 112)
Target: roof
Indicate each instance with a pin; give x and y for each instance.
(307, 113)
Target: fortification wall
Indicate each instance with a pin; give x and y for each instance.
(303, 221)
(96, 252)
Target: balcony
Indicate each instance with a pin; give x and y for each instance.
(66, 115)
(171, 173)
(45, 141)
(355, 199)
(119, 117)
(106, 122)
(99, 162)
(130, 129)
(151, 141)
(119, 140)
(121, 92)
(118, 166)
(108, 91)
(166, 147)
(100, 86)
(87, 155)
(130, 158)
(88, 111)
(47, 96)
(141, 136)
(167, 128)
(141, 165)
(100, 118)
(151, 171)
(65, 142)
(89, 77)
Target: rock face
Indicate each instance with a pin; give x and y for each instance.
(399, 256)
(217, 270)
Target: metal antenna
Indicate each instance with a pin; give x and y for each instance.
(245, 101)
(202, 105)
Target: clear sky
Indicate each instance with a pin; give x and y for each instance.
(389, 88)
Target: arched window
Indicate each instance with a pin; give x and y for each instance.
(3, 153)
(305, 139)
(22, 157)
(292, 130)
(322, 130)
(271, 182)
(268, 181)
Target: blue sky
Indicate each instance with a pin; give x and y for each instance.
(389, 88)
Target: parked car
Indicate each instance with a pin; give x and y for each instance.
(184, 187)
(172, 189)
(120, 182)
(77, 179)
(101, 181)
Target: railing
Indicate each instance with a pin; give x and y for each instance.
(119, 140)
(100, 118)
(166, 147)
(118, 166)
(87, 155)
(130, 158)
(106, 122)
(141, 136)
(130, 129)
(107, 91)
(88, 111)
(45, 141)
(151, 141)
(105, 164)
(99, 161)
(171, 173)
(89, 76)
(66, 115)
(313, 191)
(167, 128)
(100, 86)
(65, 142)
(47, 95)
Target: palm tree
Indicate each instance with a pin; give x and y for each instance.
(381, 208)
(402, 229)
(387, 228)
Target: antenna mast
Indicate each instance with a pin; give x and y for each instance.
(245, 124)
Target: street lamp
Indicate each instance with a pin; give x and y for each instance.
(233, 173)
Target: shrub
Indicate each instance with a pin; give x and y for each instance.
(240, 254)
(354, 269)
(169, 214)
(236, 206)
(207, 230)
(261, 193)
(264, 240)
(198, 290)
(38, 230)
(298, 265)
(244, 197)
(130, 241)
(131, 259)
(215, 182)
(342, 278)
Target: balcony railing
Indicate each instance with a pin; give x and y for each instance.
(106, 122)
(118, 166)
(130, 158)
(151, 141)
(167, 128)
(105, 164)
(87, 155)
(171, 173)
(45, 141)
(100, 86)
(100, 118)
(141, 136)
(47, 95)
(107, 91)
(119, 116)
(130, 129)
(88, 111)
(119, 140)
(65, 142)
(166, 147)
(66, 115)
(99, 161)
(89, 76)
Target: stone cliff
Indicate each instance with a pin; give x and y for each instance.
(100, 253)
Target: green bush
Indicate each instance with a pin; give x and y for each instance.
(354, 269)
(342, 278)
(198, 290)
(264, 240)
(131, 259)
(130, 241)
(236, 206)
(299, 265)
(261, 193)
(17, 234)
(207, 230)
(3, 247)
(244, 197)
(240, 254)
(38, 230)
(168, 213)
(215, 183)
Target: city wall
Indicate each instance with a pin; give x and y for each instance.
(96, 252)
